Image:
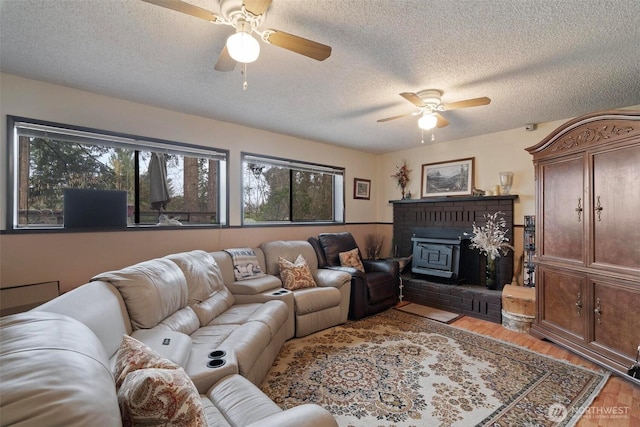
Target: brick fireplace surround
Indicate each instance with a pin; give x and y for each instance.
(471, 297)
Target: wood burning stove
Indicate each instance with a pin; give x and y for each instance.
(441, 253)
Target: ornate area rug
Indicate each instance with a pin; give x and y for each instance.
(398, 369)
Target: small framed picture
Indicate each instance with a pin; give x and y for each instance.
(450, 178)
(361, 188)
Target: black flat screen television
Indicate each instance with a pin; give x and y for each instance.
(84, 208)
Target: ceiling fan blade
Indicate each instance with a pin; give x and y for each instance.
(256, 7)
(413, 98)
(398, 117)
(187, 8)
(442, 122)
(225, 61)
(314, 50)
(475, 102)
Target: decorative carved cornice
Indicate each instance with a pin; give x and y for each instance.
(588, 135)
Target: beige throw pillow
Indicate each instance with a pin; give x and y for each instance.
(153, 390)
(351, 259)
(134, 355)
(296, 275)
(160, 397)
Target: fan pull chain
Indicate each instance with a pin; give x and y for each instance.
(245, 85)
(422, 130)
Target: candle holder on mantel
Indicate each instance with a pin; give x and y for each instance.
(506, 181)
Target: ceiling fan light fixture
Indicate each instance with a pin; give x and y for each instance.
(427, 121)
(242, 46)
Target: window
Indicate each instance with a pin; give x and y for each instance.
(280, 190)
(163, 180)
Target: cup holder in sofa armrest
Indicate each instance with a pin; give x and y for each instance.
(207, 366)
(217, 354)
(216, 363)
(217, 359)
(280, 292)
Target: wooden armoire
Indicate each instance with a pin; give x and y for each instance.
(588, 237)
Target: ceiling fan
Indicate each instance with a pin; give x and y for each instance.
(246, 16)
(430, 105)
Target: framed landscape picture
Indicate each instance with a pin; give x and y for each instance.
(361, 188)
(450, 178)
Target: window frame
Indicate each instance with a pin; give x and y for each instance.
(339, 206)
(114, 139)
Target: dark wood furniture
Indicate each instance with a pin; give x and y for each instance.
(372, 291)
(588, 237)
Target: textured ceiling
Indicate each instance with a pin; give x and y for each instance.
(538, 60)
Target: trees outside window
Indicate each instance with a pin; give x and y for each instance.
(51, 158)
(280, 190)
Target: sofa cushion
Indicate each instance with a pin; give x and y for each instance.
(317, 299)
(203, 275)
(160, 397)
(240, 401)
(296, 275)
(152, 290)
(184, 320)
(351, 259)
(289, 250)
(210, 308)
(49, 360)
(108, 317)
(334, 243)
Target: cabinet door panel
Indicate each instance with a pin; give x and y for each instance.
(616, 204)
(617, 320)
(562, 194)
(564, 301)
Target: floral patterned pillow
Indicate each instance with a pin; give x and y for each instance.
(351, 259)
(160, 397)
(153, 389)
(134, 355)
(296, 275)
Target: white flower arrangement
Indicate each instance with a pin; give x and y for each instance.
(491, 238)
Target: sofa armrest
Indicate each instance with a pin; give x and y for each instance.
(254, 286)
(382, 266)
(308, 415)
(331, 278)
(354, 272)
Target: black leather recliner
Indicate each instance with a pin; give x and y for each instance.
(373, 291)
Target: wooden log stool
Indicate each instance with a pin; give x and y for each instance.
(518, 307)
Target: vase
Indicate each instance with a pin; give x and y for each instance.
(490, 274)
(506, 181)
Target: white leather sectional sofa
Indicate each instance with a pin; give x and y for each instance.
(57, 361)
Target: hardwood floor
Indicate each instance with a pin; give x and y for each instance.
(617, 405)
